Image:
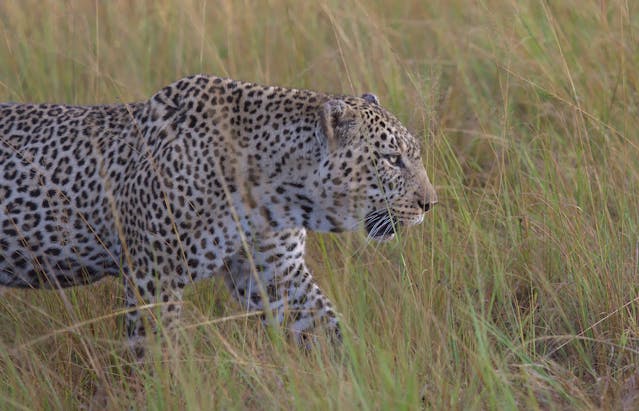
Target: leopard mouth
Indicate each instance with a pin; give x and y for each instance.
(381, 225)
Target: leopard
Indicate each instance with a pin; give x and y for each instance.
(210, 177)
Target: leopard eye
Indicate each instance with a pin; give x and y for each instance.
(394, 160)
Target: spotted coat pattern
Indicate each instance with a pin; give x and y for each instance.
(210, 176)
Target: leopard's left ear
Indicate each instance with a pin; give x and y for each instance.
(371, 98)
(335, 116)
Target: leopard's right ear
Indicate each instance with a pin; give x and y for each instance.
(334, 114)
(371, 98)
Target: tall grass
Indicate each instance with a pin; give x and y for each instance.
(519, 291)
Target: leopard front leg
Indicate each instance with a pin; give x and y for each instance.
(142, 295)
(154, 282)
(294, 299)
(154, 256)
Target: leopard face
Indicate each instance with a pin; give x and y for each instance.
(371, 173)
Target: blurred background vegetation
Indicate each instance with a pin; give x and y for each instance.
(520, 291)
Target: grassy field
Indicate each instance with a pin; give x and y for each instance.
(520, 290)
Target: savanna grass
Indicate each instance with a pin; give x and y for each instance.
(519, 291)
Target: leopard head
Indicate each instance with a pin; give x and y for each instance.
(371, 171)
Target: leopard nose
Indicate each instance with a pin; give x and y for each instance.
(425, 194)
(424, 205)
(428, 201)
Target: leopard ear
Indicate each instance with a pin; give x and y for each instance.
(333, 113)
(371, 98)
